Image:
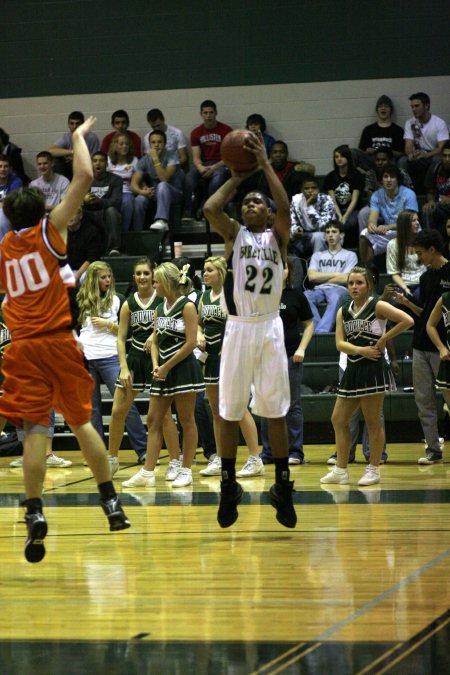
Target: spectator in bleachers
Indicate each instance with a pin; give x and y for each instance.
(429, 248)
(176, 143)
(84, 244)
(382, 133)
(8, 183)
(383, 157)
(425, 134)
(310, 211)
(401, 259)
(158, 179)
(285, 170)
(14, 153)
(123, 163)
(255, 123)
(208, 167)
(51, 184)
(437, 184)
(104, 201)
(120, 122)
(345, 186)
(62, 149)
(327, 273)
(379, 225)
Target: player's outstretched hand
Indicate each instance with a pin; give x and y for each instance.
(86, 126)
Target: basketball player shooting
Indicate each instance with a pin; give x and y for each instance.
(253, 351)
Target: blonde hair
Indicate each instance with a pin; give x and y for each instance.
(90, 302)
(172, 279)
(370, 281)
(305, 167)
(112, 150)
(219, 263)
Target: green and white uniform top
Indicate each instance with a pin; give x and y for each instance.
(185, 376)
(364, 377)
(142, 315)
(213, 319)
(361, 327)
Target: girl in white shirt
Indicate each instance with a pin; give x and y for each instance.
(122, 162)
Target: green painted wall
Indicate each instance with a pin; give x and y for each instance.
(54, 47)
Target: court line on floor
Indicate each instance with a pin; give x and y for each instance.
(383, 596)
(372, 604)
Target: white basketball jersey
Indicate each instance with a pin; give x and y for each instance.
(254, 285)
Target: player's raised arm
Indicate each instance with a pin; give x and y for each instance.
(282, 221)
(82, 178)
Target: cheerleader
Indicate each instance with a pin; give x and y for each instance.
(361, 334)
(176, 372)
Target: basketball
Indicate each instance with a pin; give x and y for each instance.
(233, 153)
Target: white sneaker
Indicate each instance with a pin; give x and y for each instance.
(159, 225)
(142, 478)
(173, 469)
(336, 476)
(371, 475)
(183, 479)
(16, 463)
(252, 467)
(214, 468)
(59, 462)
(113, 464)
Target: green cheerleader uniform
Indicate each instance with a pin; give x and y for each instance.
(185, 376)
(213, 320)
(364, 377)
(443, 376)
(141, 323)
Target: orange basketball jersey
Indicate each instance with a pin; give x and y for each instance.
(36, 277)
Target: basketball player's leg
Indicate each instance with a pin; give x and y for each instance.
(34, 468)
(212, 393)
(230, 490)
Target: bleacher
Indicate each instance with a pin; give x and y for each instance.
(320, 374)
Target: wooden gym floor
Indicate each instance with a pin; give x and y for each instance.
(362, 584)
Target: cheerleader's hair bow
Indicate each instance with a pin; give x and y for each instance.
(184, 274)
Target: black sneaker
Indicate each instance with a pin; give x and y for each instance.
(37, 529)
(115, 514)
(230, 497)
(280, 495)
(431, 457)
